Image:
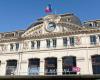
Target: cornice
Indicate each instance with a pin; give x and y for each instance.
(50, 35)
(51, 49)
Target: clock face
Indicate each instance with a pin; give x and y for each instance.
(51, 26)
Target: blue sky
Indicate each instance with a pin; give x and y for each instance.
(19, 14)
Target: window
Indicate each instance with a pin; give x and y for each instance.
(38, 44)
(11, 47)
(48, 43)
(32, 44)
(33, 67)
(54, 42)
(68, 63)
(92, 39)
(99, 37)
(71, 41)
(69, 19)
(51, 66)
(64, 41)
(96, 64)
(17, 46)
(90, 24)
(9, 35)
(11, 67)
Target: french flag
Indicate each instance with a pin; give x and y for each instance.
(48, 9)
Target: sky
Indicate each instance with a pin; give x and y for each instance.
(19, 14)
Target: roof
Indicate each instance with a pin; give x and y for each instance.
(34, 24)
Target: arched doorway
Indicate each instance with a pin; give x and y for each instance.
(96, 64)
(11, 67)
(34, 66)
(68, 62)
(51, 66)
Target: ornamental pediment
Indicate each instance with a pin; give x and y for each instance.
(48, 24)
(52, 24)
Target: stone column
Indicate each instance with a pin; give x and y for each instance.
(80, 61)
(42, 67)
(60, 40)
(90, 66)
(59, 66)
(68, 41)
(3, 68)
(97, 40)
(23, 68)
(43, 44)
(19, 63)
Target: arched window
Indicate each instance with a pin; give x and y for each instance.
(90, 25)
(96, 64)
(34, 66)
(51, 66)
(68, 63)
(11, 67)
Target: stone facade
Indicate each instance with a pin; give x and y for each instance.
(54, 36)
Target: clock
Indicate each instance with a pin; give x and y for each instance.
(51, 27)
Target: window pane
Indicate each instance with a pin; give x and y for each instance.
(96, 64)
(48, 43)
(99, 37)
(32, 44)
(11, 46)
(93, 39)
(68, 64)
(34, 66)
(64, 41)
(17, 46)
(51, 66)
(11, 67)
(54, 42)
(71, 41)
(38, 44)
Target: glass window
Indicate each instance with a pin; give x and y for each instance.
(64, 41)
(11, 67)
(34, 66)
(17, 46)
(99, 37)
(92, 39)
(54, 42)
(68, 63)
(90, 24)
(51, 66)
(38, 44)
(11, 46)
(96, 64)
(48, 43)
(71, 41)
(9, 35)
(32, 44)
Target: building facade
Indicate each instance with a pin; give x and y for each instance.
(53, 45)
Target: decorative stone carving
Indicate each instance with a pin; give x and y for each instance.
(25, 45)
(3, 47)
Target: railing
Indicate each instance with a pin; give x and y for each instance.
(50, 72)
(33, 70)
(11, 70)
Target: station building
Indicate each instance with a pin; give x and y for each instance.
(56, 44)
